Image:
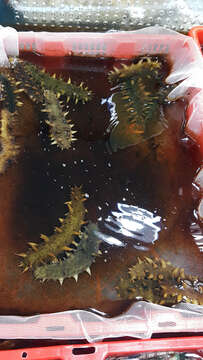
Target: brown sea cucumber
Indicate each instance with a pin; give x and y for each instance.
(158, 281)
(61, 132)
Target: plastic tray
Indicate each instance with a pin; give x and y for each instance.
(117, 46)
(103, 350)
(197, 34)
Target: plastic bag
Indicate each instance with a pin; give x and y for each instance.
(94, 15)
(141, 321)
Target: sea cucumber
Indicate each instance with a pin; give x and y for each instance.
(63, 236)
(75, 263)
(9, 91)
(9, 150)
(61, 132)
(160, 282)
(140, 93)
(36, 80)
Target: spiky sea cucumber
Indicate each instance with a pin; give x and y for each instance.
(63, 236)
(158, 281)
(61, 132)
(140, 93)
(36, 80)
(75, 263)
(9, 91)
(9, 150)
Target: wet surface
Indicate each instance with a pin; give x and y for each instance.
(140, 197)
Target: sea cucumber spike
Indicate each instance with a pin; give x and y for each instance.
(88, 271)
(149, 260)
(58, 95)
(163, 263)
(182, 273)
(179, 298)
(99, 252)
(52, 256)
(57, 229)
(18, 83)
(23, 255)
(68, 203)
(74, 243)
(66, 248)
(17, 91)
(19, 103)
(61, 281)
(33, 245)
(26, 269)
(66, 113)
(54, 76)
(61, 220)
(44, 237)
(68, 98)
(69, 81)
(83, 222)
(75, 277)
(76, 101)
(21, 264)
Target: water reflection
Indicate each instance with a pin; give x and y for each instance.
(197, 235)
(132, 223)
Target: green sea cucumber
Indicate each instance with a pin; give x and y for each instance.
(140, 94)
(35, 80)
(63, 236)
(75, 263)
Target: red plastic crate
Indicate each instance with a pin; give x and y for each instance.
(102, 350)
(197, 34)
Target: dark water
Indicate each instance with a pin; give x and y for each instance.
(141, 198)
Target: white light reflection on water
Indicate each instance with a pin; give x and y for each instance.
(137, 224)
(197, 235)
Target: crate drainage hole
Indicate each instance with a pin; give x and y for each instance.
(24, 355)
(83, 351)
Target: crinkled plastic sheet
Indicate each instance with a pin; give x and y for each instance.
(8, 44)
(140, 321)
